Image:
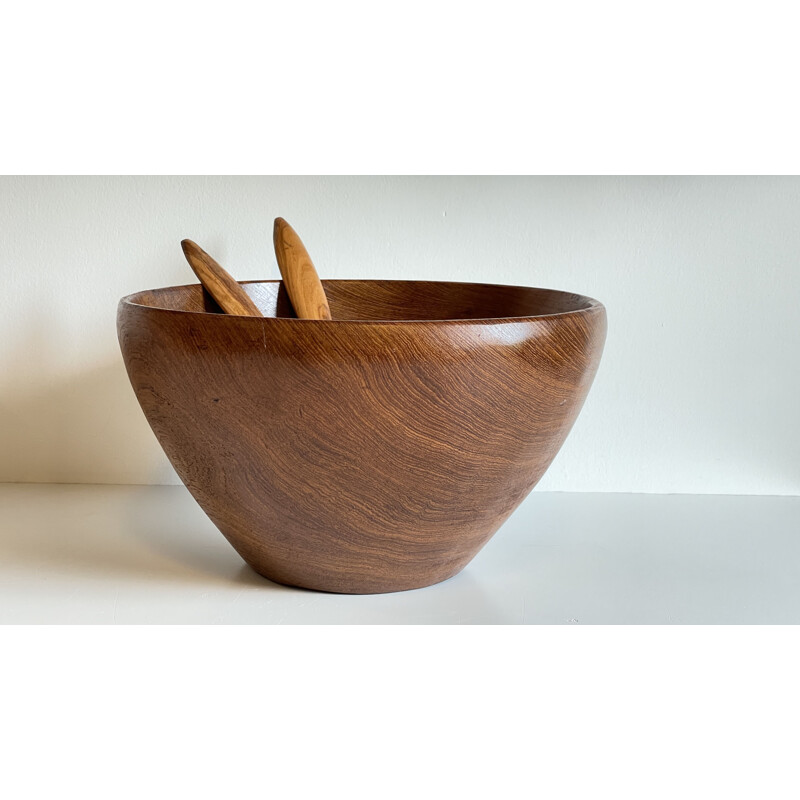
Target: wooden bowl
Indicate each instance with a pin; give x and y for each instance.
(375, 452)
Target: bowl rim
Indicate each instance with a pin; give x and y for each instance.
(590, 305)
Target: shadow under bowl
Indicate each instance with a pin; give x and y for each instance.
(376, 452)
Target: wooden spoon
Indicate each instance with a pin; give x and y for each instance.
(297, 270)
(228, 293)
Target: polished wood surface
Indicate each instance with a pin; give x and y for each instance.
(225, 290)
(374, 452)
(298, 272)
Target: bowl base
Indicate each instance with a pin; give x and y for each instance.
(361, 585)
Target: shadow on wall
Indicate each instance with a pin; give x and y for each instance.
(61, 423)
(83, 428)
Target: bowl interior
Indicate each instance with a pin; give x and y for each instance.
(387, 300)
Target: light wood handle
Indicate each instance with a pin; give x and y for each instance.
(229, 294)
(297, 270)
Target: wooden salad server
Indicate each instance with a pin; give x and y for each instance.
(228, 293)
(299, 276)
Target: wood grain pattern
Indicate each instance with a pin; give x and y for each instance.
(298, 273)
(225, 290)
(364, 453)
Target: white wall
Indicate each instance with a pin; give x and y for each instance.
(698, 389)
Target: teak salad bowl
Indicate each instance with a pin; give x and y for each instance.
(374, 452)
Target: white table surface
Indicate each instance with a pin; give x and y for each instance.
(148, 554)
